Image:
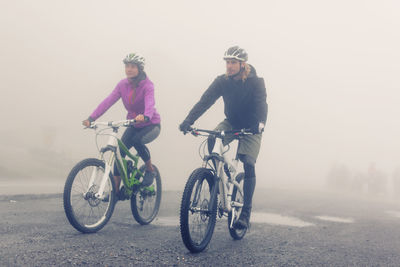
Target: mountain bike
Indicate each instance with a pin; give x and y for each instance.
(213, 189)
(89, 191)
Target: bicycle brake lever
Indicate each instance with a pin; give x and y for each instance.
(130, 122)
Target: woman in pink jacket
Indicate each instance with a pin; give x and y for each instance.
(137, 94)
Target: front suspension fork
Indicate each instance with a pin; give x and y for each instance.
(106, 176)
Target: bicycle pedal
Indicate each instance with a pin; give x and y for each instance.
(220, 212)
(122, 194)
(106, 198)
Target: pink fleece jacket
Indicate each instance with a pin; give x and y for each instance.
(143, 102)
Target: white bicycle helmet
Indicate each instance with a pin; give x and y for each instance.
(135, 59)
(235, 52)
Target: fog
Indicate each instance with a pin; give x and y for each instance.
(331, 70)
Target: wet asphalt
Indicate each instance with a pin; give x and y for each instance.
(289, 228)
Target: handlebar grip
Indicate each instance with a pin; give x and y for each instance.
(129, 122)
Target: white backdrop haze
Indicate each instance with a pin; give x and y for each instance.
(331, 68)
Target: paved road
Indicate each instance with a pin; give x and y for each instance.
(288, 229)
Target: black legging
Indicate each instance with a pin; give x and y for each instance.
(249, 185)
(137, 138)
(249, 182)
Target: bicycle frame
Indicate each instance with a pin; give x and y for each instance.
(114, 146)
(225, 183)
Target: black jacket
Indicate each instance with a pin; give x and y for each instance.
(245, 102)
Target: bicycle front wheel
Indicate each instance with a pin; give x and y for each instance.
(145, 203)
(234, 214)
(85, 211)
(197, 219)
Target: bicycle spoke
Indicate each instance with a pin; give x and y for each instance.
(86, 212)
(198, 214)
(197, 220)
(237, 204)
(146, 202)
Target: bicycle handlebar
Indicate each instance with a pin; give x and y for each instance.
(117, 124)
(220, 134)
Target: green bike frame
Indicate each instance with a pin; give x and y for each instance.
(122, 166)
(115, 145)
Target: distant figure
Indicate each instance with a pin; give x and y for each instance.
(339, 177)
(396, 182)
(377, 180)
(244, 96)
(360, 183)
(137, 93)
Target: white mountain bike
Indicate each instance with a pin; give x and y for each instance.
(213, 189)
(89, 191)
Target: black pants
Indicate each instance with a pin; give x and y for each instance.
(249, 184)
(137, 138)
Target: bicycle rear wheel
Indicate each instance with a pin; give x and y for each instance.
(236, 197)
(197, 221)
(86, 212)
(145, 203)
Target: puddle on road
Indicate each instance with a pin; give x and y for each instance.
(393, 213)
(271, 218)
(166, 221)
(256, 217)
(335, 219)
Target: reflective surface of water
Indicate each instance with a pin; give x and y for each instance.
(272, 218)
(335, 219)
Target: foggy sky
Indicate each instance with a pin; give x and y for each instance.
(331, 70)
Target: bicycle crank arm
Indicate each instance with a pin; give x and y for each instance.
(197, 209)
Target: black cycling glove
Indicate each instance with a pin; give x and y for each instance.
(185, 126)
(257, 129)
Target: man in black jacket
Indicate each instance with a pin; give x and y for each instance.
(244, 96)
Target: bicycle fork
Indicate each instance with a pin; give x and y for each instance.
(112, 143)
(106, 175)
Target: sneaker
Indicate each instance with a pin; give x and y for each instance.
(242, 222)
(121, 195)
(148, 178)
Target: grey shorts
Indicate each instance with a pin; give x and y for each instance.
(249, 145)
